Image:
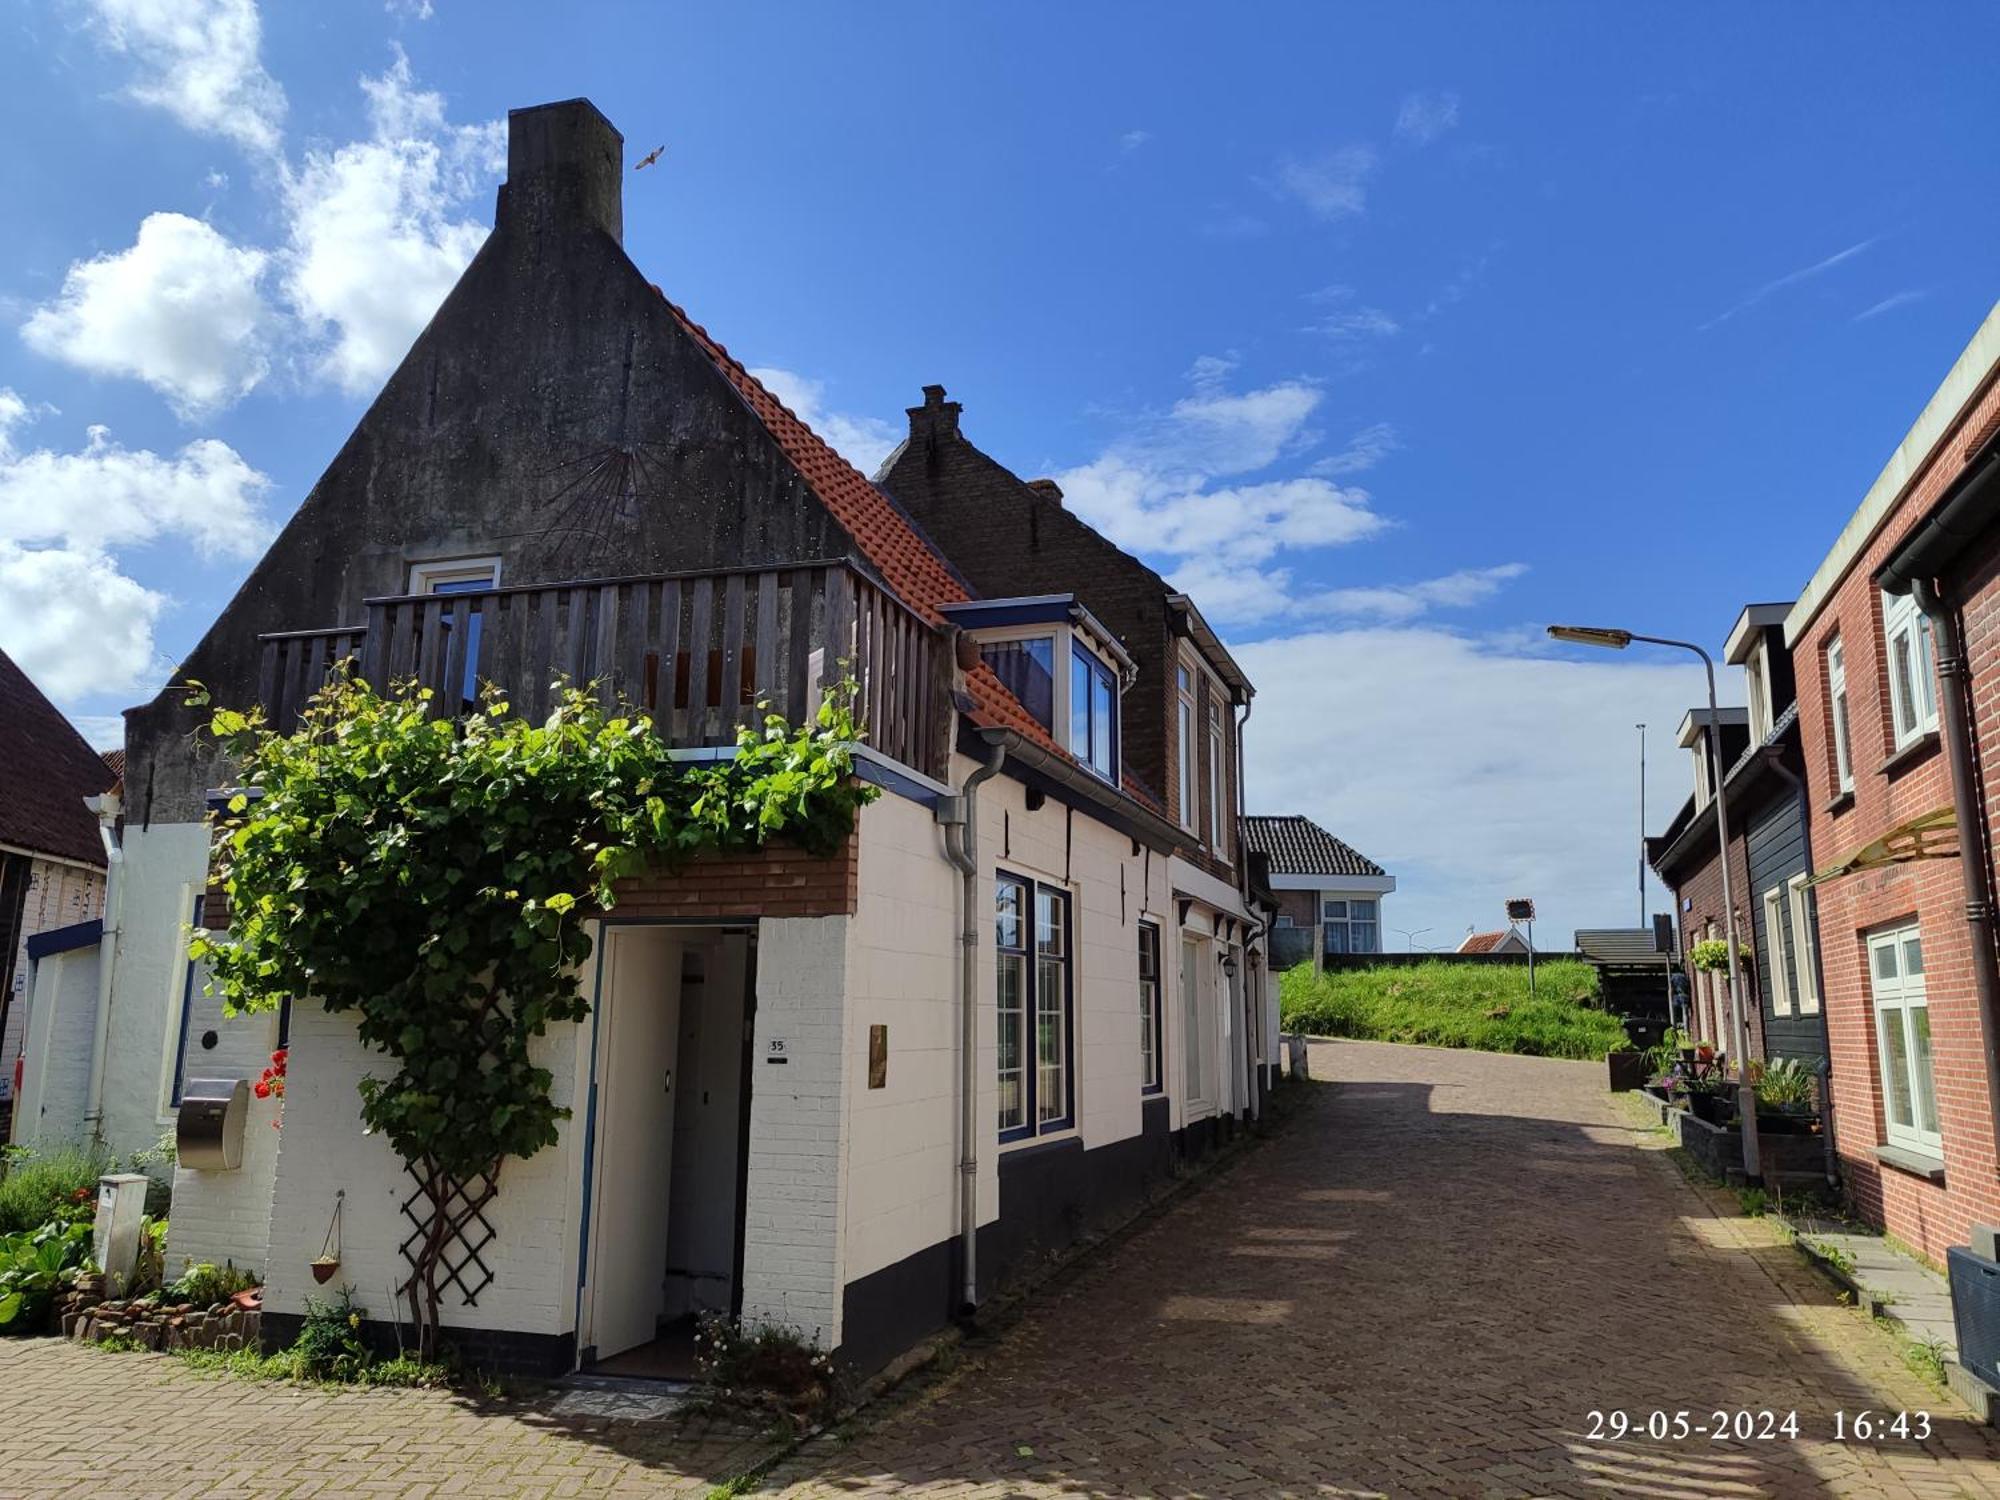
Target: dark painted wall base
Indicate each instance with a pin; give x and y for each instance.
(498, 1351)
(1051, 1196)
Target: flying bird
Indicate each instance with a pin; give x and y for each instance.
(649, 158)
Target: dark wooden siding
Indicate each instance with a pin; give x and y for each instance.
(1777, 852)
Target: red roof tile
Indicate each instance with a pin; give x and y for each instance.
(49, 771)
(1482, 942)
(893, 546)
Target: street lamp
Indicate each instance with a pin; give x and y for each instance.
(1410, 936)
(1739, 1036)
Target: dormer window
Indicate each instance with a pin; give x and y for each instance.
(1061, 664)
(1093, 711)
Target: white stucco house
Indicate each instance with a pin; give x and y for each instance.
(1328, 892)
(848, 1095)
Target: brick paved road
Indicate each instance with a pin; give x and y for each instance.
(1421, 1289)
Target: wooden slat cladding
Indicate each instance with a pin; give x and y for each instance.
(702, 653)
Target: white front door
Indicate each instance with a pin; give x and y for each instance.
(638, 1034)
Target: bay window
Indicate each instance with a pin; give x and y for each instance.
(1093, 712)
(1027, 669)
(1031, 940)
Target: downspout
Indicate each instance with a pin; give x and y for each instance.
(107, 808)
(1774, 760)
(1258, 1041)
(1955, 680)
(959, 817)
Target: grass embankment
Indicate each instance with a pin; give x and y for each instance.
(1482, 1006)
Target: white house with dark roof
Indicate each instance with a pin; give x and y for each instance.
(1324, 885)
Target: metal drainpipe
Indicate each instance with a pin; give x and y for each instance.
(1798, 787)
(1257, 1038)
(1955, 680)
(107, 808)
(959, 816)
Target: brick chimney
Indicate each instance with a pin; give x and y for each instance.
(564, 162)
(1048, 489)
(936, 418)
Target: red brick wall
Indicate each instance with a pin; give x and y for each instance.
(1704, 889)
(1931, 892)
(776, 881)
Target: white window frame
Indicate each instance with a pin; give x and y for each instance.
(1904, 992)
(1836, 694)
(1804, 951)
(1184, 726)
(1777, 942)
(427, 577)
(1345, 920)
(1759, 695)
(1199, 1054)
(1217, 781)
(1906, 642)
(1703, 792)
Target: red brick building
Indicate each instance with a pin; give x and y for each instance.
(1897, 734)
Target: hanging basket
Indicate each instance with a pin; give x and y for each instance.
(323, 1267)
(327, 1261)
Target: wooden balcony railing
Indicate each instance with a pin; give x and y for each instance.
(697, 651)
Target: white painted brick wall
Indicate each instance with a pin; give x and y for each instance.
(792, 1247)
(323, 1150)
(225, 1217)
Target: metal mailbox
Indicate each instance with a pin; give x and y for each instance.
(208, 1133)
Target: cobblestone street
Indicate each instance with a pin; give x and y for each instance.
(1423, 1287)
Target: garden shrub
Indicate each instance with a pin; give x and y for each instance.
(42, 1184)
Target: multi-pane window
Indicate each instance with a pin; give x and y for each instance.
(1152, 1071)
(1760, 700)
(1778, 943)
(1093, 712)
(1903, 1039)
(1352, 925)
(1032, 943)
(1836, 690)
(1184, 743)
(1027, 668)
(1906, 632)
(1803, 966)
(1217, 802)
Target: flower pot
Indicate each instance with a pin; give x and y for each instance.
(1627, 1070)
(1714, 1109)
(323, 1268)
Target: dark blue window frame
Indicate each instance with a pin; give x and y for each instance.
(1155, 1081)
(1031, 1056)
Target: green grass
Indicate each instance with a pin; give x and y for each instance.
(1485, 1007)
(38, 1183)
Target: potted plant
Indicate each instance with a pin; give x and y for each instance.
(1785, 1097)
(1628, 1068)
(1712, 1099)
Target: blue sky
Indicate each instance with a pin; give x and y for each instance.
(1394, 332)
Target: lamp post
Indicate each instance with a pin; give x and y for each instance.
(1410, 936)
(1739, 1036)
(1642, 824)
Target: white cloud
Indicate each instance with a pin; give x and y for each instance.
(199, 61)
(1426, 116)
(1472, 769)
(1790, 278)
(409, 10)
(179, 310)
(1406, 601)
(1332, 185)
(1185, 489)
(862, 440)
(1132, 140)
(73, 622)
(1364, 451)
(101, 731)
(376, 239)
(1890, 304)
(68, 613)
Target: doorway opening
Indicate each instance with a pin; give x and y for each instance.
(669, 1122)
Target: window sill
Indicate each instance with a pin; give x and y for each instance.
(1930, 1168)
(1918, 750)
(1840, 803)
(1052, 1140)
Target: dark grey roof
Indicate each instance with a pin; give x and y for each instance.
(1299, 846)
(1619, 945)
